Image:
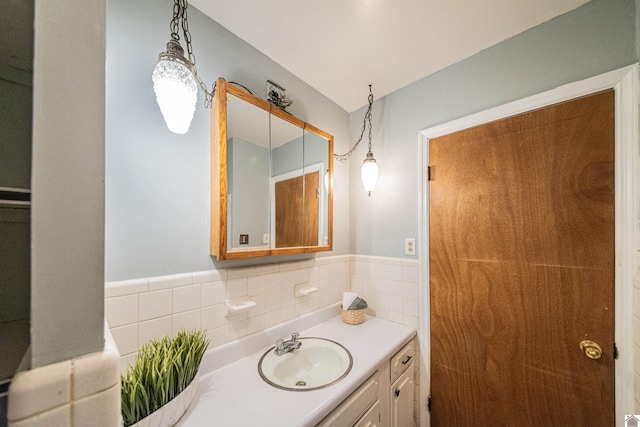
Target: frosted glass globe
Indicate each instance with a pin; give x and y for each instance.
(176, 93)
(369, 174)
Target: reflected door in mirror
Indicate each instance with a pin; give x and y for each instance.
(297, 210)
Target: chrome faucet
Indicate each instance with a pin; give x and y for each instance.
(283, 346)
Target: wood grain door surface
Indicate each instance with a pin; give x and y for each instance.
(297, 211)
(522, 269)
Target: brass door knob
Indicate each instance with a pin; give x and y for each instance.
(591, 349)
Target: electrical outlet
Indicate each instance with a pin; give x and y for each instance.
(265, 239)
(244, 239)
(410, 246)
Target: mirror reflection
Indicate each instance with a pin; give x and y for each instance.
(300, 205)
(248, 172)
(316, 161)
(287, 183)
(269, 182)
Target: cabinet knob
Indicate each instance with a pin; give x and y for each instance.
(397, 393)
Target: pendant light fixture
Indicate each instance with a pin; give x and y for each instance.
(369, 171)
(175, 78)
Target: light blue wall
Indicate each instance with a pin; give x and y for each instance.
(294, 155)
(157, 183)
(287, 157)
(597, 37)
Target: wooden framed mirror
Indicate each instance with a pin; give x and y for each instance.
(271, 191)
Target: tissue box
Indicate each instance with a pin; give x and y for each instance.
(352, 317)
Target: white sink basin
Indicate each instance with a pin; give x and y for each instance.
(316, 364)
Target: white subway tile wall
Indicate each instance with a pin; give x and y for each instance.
(142, 309)
(390, 287)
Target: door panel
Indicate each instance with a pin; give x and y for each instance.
(521, 268)
(297, 211)
(289, 203)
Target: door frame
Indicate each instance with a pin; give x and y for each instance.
(624, 82)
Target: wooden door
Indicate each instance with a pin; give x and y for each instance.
(522, 269)
(297, 211)
(289, 201)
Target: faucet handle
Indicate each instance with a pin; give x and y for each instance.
(279, 345)
(295, 335)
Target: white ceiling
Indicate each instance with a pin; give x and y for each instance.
(339, 47)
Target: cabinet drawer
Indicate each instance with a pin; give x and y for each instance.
(355, 405)
(401, 361)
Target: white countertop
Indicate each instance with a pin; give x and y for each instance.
(235, 395)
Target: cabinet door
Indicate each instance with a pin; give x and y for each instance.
(354, 406)
(371, 418)
(402, 392)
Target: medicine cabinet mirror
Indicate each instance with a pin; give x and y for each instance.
(271, 191)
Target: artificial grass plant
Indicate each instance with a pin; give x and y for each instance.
(163, 368)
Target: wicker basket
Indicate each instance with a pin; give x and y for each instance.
(352, 317)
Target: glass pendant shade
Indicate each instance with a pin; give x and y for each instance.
(369, 173)
(175, 86)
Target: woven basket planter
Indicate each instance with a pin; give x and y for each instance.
(352, 317)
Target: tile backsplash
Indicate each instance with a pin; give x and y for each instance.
(141, 309)
(389, 285)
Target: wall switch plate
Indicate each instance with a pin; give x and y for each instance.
(265, 239)
(410, 246)
(244, 239)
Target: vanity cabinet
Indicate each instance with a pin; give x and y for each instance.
(385, 399)
(371, 418)
(363, 404)
(402, 386)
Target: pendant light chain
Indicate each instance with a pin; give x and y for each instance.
(175, 22)
(369, 115)
(367, 119)
(180, 14)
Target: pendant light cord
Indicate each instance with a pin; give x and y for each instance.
(367, 120)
